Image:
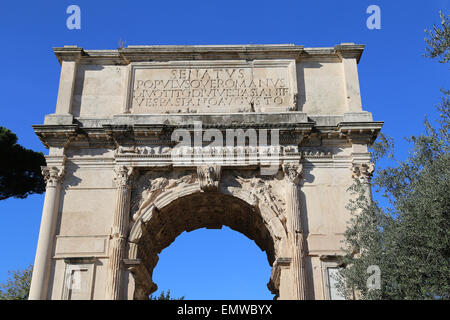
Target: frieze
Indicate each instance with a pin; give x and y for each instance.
(149, 185)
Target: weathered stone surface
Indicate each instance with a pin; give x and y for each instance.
(213, 86)
(149, 141)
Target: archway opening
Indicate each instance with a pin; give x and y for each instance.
(213, 264)
(210, 210)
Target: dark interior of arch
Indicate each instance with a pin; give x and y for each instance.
(201, 210)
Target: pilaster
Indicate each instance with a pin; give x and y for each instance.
(119, 233)
(68, 57)
(292, 174)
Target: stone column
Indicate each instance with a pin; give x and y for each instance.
(292, 174)
(117, 244)
(42, 262)
(363, 172)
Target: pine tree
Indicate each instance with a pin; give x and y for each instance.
(20, 168)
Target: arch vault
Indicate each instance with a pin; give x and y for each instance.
(161, 223)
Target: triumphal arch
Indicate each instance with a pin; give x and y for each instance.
(147, 142)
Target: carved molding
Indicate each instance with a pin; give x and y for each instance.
(53, 175)
(274, 282)
(144, 283)
(317, 154)
(261, 192)
(292, 172)
(363, 171)
(150, 185)
(123, 176)
(209, 177)
(143, 150)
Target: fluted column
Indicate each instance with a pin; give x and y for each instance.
(42, 262)
(115, 277)
(292, 174)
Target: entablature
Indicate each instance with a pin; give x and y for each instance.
(289, 129)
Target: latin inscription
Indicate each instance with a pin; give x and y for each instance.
(210, 89)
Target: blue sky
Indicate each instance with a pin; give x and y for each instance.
(398, 86)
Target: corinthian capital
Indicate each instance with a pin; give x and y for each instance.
(209, 177)
(52, 175)
(123, 176)
(363, 171)
(292, 172)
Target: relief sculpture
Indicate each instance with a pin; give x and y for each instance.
(261, 192)
(151, 184)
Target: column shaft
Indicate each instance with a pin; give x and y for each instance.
(114, 284)
(42, 262)
(295, 229)
(297, 242)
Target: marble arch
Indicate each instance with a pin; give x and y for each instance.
(115, 185)
(188, 209)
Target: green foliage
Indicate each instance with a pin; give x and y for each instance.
(18, 285)
(383, 147)
(409, 237)
(439, 40)
(165, 296)
(20, 168)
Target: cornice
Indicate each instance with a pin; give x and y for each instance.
(139, 53)
(52, 135)
(218, 52)
(115, 133)
(68, 53)
(360, 132)
(350, 50)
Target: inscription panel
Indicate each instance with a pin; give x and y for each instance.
(212, 87)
